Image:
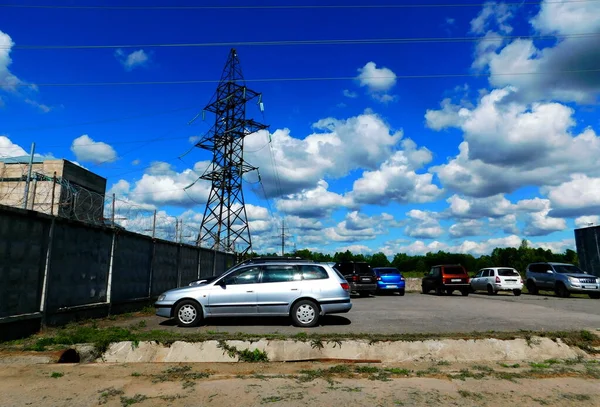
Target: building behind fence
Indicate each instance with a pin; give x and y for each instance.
(52, 268)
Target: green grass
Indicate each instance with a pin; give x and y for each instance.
(56, 375)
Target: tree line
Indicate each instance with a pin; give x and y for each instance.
(517, 258)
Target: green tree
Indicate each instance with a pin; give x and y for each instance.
(379, 260)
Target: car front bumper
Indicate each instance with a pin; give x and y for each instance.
(163, 309)
(583, 288)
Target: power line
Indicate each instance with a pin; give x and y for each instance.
(286, 7)
(308, 79)
(367, 41)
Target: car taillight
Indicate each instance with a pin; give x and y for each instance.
(355, 278)
(401, 278)
(378, 278)
(498, 279)
(345, 286)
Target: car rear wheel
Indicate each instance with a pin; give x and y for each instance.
(305, 313)
(594, 296)
(424, 290)
(465, 292)
(532, 288)
(517, 292)
(188, 314)
(401, 292)
(439, 291)
(490, 290)
(449, 291)
(364, 293)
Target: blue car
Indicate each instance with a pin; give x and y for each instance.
(389, 279)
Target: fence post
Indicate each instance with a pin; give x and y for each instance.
(113, 211)
(28, 179)
(33, 192)
(45, 282)
(53, 191)
(110, 271)
(154, 225)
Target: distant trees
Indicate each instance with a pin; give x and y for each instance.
(506, 256)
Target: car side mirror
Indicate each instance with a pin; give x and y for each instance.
(549, 271)
(425, 274)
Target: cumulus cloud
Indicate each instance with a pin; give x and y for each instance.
(350, 94)
(289, 164)
(96, 152)
(538, 222)
(397, 180)
(133, 59)
(577, 197)
(8, 81)
(562, 63)
(585, 221)
(508, 145)
(423, 225)
(316, 202)
(10, 149)
(467, 246)
(378, 81)
(358, 227)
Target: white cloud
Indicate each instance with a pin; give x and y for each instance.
(43, 108)
(317, 202)
(467, 246)
(10, 149)
(359, 227)
(396, 179)
(350, 94)
(378, 81)
(8, 81)
(336, 148)
(561, 63)
(493, 15)
(133, 59)
(423, 225)
(88, 150)
(578, 196)
(469, 227)
(165, 186)
(585, 221)
(136, 162)
(509, 145)
(474, 208)
(539, 223)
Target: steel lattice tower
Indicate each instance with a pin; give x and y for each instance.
(225, 224)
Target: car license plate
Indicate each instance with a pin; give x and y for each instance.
(588, 286)
(392, 286)
(366, 279)
(456, 280)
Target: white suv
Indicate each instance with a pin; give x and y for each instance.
(494, 279)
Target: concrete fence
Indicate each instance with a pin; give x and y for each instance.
(54, 270)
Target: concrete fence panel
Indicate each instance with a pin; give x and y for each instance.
(132, 261)
(79, 263)
(188, 264)
(164, 267)
(23, 245)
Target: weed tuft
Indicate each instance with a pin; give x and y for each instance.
(56, 375)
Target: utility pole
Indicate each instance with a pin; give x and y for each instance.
(28, 180)
(113, 211)
(283, 238)
(154, 225)
(225, 221)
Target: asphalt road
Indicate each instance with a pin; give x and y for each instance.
(425, 314)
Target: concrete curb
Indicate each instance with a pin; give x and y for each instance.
(452, 350)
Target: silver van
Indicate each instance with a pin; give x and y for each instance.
(259, 287)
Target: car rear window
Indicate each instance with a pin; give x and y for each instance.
(313, 273)
(363, 268)
(454, 270)
(388, 272)
(507, 272)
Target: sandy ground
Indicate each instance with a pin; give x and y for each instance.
(269, 385)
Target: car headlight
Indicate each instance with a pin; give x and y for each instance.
(573, 280)
(162, 297)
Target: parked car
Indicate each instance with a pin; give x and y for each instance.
(494, 279)
(562, 278)
(446, 279)
(300, 289)
(360, 276)
(389, 279)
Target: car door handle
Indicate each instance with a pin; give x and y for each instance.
(294, 289)
(250, 291)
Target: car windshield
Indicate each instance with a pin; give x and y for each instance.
(388, 272)
(454, 270)
(507, 272)
(567, 268)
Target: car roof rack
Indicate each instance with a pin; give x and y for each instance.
(267, 259)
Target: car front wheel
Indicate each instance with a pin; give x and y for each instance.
(594, 296)
(188, 313)
(305, 313)
(517, 292)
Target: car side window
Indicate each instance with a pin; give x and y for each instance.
(280, 274)
(479, 274)
(247, 275)
(311, 272)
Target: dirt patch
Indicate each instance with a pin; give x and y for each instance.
(286, 384)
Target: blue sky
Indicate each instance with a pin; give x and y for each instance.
(383, 161)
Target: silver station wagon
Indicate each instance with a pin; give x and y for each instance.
(261, 287)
